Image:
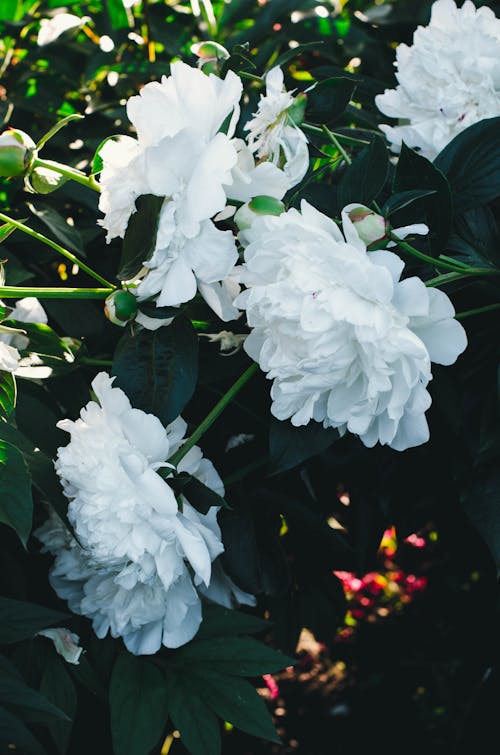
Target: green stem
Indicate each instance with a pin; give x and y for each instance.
(477, 311)
(57, 127)
(21, 292)
(331, 136)
(250, 76)
(71, 173)
(308, 127)
(58, 248)
(212, 415)
(451, 277)
(435, 262)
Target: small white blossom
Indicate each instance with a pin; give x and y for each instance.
(271, 134)
(25, 310)
(345, 342)
(447, 80)
(139, 559)
(52, 28)
(65, 642)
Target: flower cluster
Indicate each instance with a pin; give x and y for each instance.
(186, 153)
(139, 558)
(345, 342)
(448, 79)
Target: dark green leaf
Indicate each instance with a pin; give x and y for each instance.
(290, 446)
(415, 172)
(42, 338)
(16, 502)
(150, 309)
(20, 620)
(158, 369)
(481, 505)
(196, 722)
(140, 236)
(68, 235)
(223, 622)
(201, 497)
(235, 700)
(7, 394)
(117, 14)
(294, 52)
(236, 656)
(57, 687)
(139, 705)
(14, 733)
(329, 98)
(404, 199)
(27, 702)
(363, 181)
(471, 162)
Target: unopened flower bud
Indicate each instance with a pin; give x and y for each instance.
(262, 205)
(210, 51)
(297, 111)
(120, 307)
(210, 55)
(370, 227)
(16, 153)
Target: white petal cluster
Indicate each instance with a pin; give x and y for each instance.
(138, 559)
(186, 152)
(25, 310)
(448, 79)
(271, 134)
(345, 342)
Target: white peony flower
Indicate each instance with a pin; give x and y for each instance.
(344, 340)
(271, 134)
(448, 79)
(180, 154)
(52, 28)
(138, 559)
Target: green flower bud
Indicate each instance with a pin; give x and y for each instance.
(369, 226)
(210, 51)
(16, 153)
(262, 205)
(120, 307)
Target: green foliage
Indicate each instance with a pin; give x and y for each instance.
(282, 510)
(139, 705)
(16, 504)
(158, 369)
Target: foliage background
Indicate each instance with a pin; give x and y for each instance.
(426, 674)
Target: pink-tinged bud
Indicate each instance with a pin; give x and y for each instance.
(262, 205)
(16, 153)
(120, 307)
(210, 55)
(370, 227)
